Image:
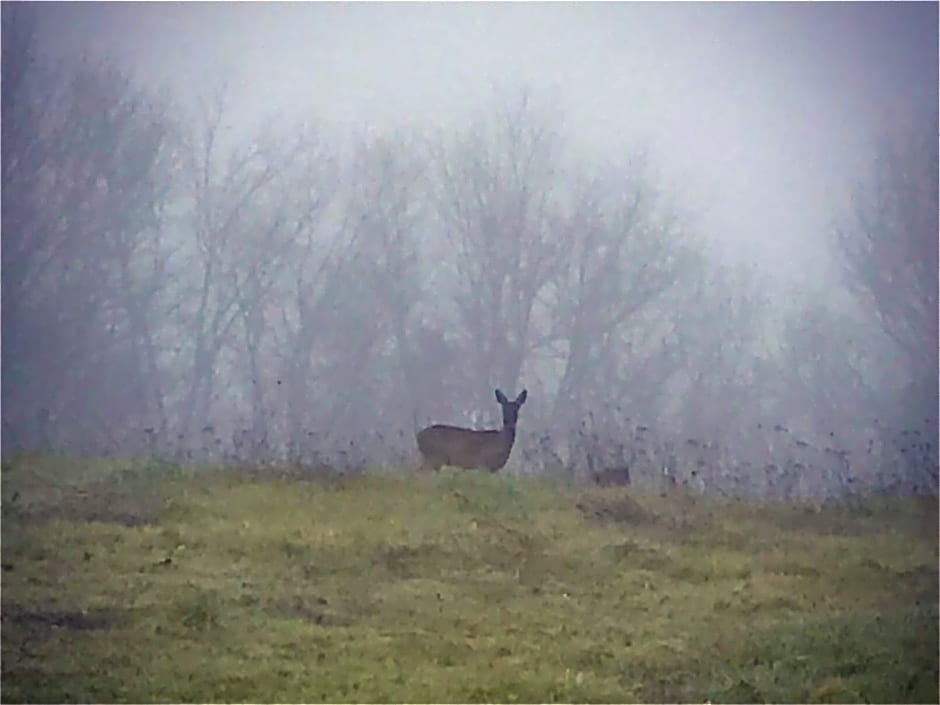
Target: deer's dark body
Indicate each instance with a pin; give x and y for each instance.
(442, 445)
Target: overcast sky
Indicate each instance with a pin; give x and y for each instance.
(763, 113)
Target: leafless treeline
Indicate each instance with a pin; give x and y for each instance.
(173, 286)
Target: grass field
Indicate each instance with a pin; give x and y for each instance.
(141, 582)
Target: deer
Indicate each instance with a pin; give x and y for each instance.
(468, 449)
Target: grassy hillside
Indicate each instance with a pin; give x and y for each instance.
(144, 583)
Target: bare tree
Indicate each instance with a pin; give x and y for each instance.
(239, 230)
(387, 203)
(834, 367)
(888, 249)
(308, 331)
(717, 341)
(87, 167)
(495, 200)
(625, 249)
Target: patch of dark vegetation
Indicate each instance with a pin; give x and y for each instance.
(40, 624)
(410, 561)
(109, 502)
(853, 518)
(832, 523)
(614, 508)
(784, 566)
(196, 610)
(130, 493)
(314, 610)
(635, 555)
(612, 477)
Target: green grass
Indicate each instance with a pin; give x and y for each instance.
(130, 582)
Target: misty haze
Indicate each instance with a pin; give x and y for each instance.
(304, 231)
(699, 241)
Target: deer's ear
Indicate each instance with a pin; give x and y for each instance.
(520, 400)
(501, 398)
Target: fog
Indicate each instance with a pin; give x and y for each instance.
(749, 108)
(703, 236)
